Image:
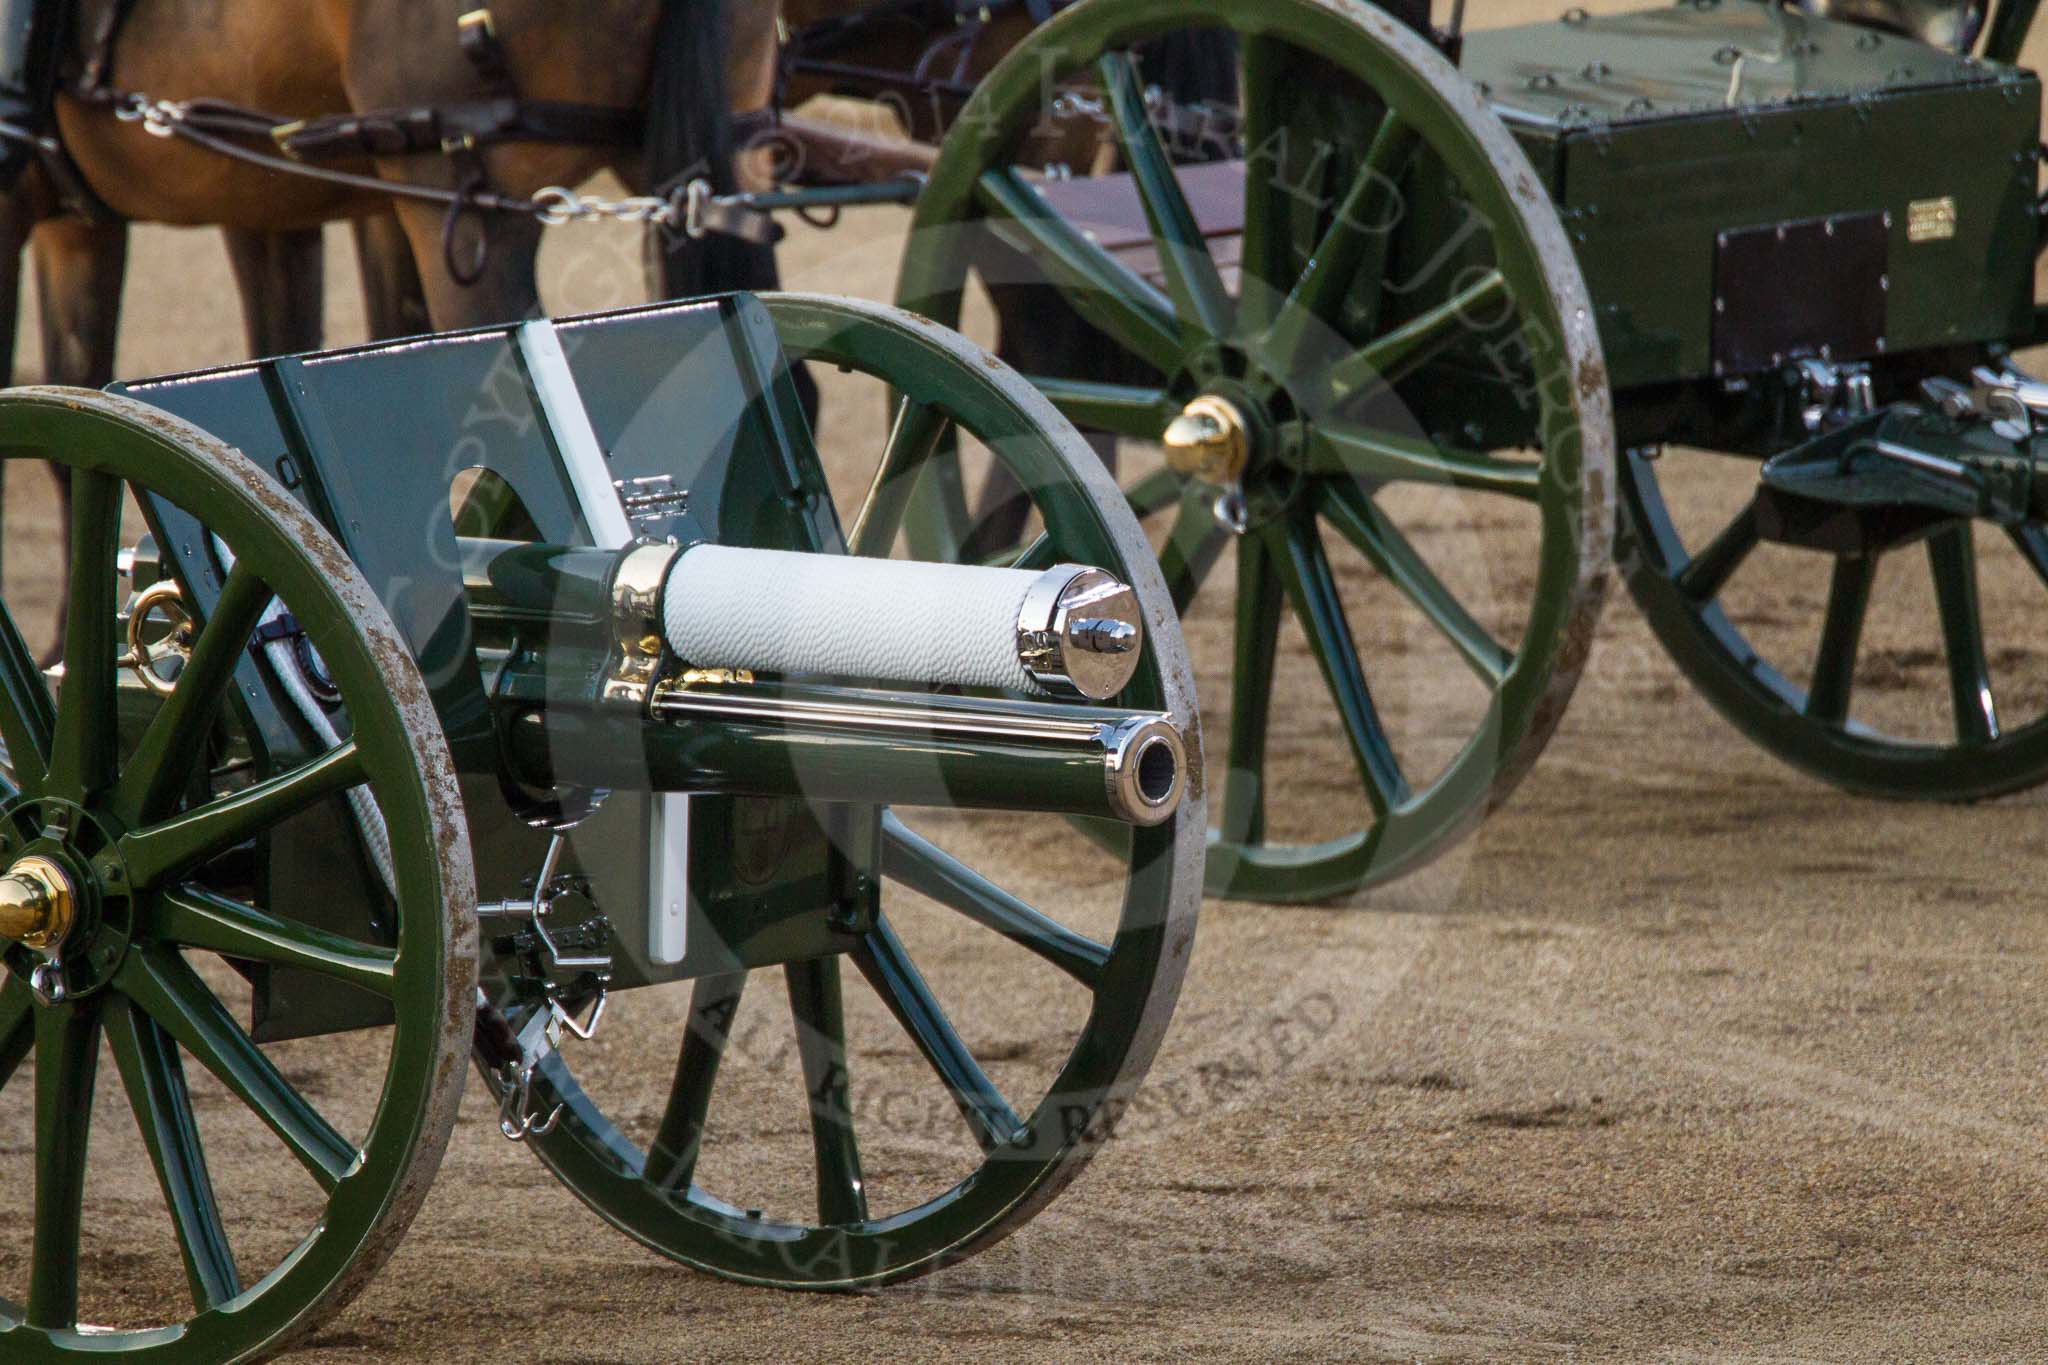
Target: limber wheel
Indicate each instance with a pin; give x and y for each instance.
(877, 1114)
(1874, 672)
(1364, 332)
(125, 878)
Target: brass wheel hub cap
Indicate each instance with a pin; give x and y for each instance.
(1211, 441)
(36, 904)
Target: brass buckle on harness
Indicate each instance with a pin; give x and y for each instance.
(283, 134)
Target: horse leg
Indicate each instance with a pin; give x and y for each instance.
(80, 267)
(282, 279)
(17, 217)
(394, 299)
(500, 251)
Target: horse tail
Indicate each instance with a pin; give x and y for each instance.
(689, 136)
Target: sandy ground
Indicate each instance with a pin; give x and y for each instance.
(1683, 1056)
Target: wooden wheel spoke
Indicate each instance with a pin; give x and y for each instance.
(1191, 551)
(174, 744)
(913, 440)
(165, 987)
(1348, 508)
(915, 862)
(154, 1076)
(1834, 666)
(1269, 253)
(1192, 279)
(814, 1001)
(672, 1156)
(1125, 409)
(1952, 557)
(82, 741)
(1100, 288)
(2031, 540)
(17, 1026)
(1709, 571)
(1347, 262)
(1391, 358)
(1378, 456)
(1313, 588)
(1154, 493)
(1040, 554)
(27, 718)
(895, 978)
(1259, 601)
(185, 841)
(67, 1066)
(194, 918)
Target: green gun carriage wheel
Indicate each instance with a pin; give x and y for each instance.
(643, 1177)
(1795, 693)
(1408, 308)
(120, 870)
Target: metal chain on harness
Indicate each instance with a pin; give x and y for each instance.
(691, 208)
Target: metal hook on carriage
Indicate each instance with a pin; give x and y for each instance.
(516, 1117)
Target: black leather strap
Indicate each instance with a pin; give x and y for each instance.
(445, 128)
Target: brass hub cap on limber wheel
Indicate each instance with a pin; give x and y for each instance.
(1210, 441)
(35, 904)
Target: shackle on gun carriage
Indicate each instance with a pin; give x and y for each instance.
(538, 711)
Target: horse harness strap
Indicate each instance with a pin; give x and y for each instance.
(452, 128)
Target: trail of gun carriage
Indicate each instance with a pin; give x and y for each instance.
(758, 730)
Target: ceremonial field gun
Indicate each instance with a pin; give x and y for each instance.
(462, 693)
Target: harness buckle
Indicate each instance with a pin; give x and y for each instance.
(283, 134)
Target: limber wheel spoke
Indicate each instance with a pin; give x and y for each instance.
(1387, 457)
(1099, 287)
(1125, 409)
(170, 992)
(17, 1026)
(2031, 540)
(154, 1077)
(1257, 647)
(1316, 601)
(1268, 262)
(174, 744)
(672, 1156)
(1192, 279)
(1399, 353)
(1154, 493)
(1041, 553)
(195, 918)
(83, 738)
(888, 968)
(26, 716)
(1834, 666)
(915, 862)
(1191, 551)
(814, 1000)
(1952, 556)
(1347, 262)
(67, 1064)
(1709, 571)
(176, 845)
(912, 442)
(1348, 508)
